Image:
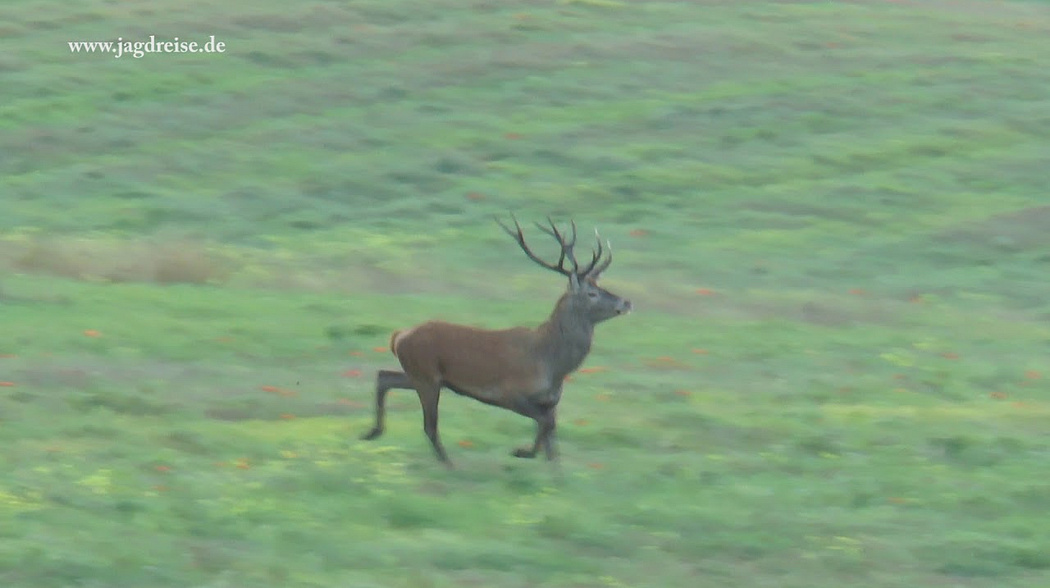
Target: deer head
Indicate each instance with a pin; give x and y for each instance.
(584, 297)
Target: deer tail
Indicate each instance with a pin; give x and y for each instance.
(393, 342)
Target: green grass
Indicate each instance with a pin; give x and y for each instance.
(831, 218)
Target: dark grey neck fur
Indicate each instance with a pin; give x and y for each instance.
(565, 338)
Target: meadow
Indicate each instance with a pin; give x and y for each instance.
(832, 219)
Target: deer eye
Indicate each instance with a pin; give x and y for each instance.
(592, 295)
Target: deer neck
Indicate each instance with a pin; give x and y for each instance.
(565, 338)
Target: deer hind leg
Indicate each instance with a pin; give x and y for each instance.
(386, 380)
(429, 395)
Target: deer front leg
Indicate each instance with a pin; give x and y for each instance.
(549, 446)
(545, 423)
(429, 395)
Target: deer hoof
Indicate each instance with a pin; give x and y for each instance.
(372, 434)
(524, 453)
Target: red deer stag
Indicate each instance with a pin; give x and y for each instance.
(519, 369)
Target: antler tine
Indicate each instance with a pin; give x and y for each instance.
(554, 232)
(608, 259)
(594, 257)
(567, 246)
(570, 247)
(572, 243)
(518, 236)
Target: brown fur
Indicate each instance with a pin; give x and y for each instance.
(491, 366)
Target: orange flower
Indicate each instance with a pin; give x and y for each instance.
(160, 488)
(475, 196)
(1032, 375)
(464, 443)
(7, 355)
(7, 384)
(242, 464)
(602, 397)
(352, 373)
(350, 403)
(950, 355)
(380, 349)
(705, 291)
(92, 333)
(998, 395)
(638, 233)
(567, 379)
(857, 291)
(595, 465)
(594, 370)
(271, 389)
(224, 339)
(683, 392)
(581, 422)
(287, 416)
(512, 136)
(700, 351)
(357, 354)
(162, 469)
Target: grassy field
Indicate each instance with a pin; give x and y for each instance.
(832, 219)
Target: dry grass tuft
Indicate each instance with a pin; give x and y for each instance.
(164, 261)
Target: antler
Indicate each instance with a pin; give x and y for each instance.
(593, 269)
(566, 246)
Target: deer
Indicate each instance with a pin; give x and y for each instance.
(520, 369)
